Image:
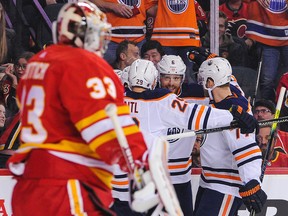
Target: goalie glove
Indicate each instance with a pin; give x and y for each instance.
(246, 122)
(253, 196)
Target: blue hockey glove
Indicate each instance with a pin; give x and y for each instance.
(253, 196)
(245, 121)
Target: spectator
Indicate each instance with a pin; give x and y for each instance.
(176, 29)
(237, 14)
(153, 51)
(9, 82)
(283, 82)
(126, 53)
(267, 24)
(264, 109)
(21, 63)
(9, 131)
(71, 148)
(127, 20)
(277, 155)
(7, 37)
(229, 49)
(196, 160)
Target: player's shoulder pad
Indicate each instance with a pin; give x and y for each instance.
(148, 94)
(192, 90)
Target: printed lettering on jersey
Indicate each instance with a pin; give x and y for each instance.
(174, 130)
(177, 6)
(275, 6)
(130, 2)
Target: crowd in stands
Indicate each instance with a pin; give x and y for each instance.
(175, 37)
(150, 31)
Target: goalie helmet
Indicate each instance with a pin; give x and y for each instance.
(218, 69)
(171, 64)
(142, 73)
(82, 25)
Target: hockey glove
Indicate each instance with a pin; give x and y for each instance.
(246, 122)
(200, 54)
(253, 196)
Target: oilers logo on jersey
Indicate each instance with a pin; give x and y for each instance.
(177, 6)
(275, 6)
(130, 2)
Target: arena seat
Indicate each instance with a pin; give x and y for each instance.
(246, 78)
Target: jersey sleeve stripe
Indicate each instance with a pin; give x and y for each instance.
(98, 116)
(192, 116)
(111, 135)
(199, 116)
(258, 157)
(102, 126)
(246, 154)
(252, 145)
(206, 118)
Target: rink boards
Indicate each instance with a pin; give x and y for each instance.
(275, 185)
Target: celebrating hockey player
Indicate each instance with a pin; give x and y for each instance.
(63, 166)
(156, 110)
(231, 161)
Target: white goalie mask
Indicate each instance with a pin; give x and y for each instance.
(84, 25)
(171, 64)
(218, 69)
(142, 73)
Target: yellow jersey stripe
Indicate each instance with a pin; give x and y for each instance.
(98, 116)
(111, 135)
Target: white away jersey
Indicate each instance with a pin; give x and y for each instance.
(156, 111)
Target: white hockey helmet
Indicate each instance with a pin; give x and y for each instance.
(171, 64)
(218, 69)
(142, 73)
(82, 24)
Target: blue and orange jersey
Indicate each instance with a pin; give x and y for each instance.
(133, 28)
(176, 24)
(268, 24)
(229, 158)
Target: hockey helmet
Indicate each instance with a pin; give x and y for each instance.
(218, 69)
(142, 73)
(82, 24)
(171, 64)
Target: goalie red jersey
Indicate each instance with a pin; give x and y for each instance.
(63, 94)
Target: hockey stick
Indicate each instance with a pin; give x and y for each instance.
(257, 80)
(111, 111)
(213, 130)
(272, 133)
